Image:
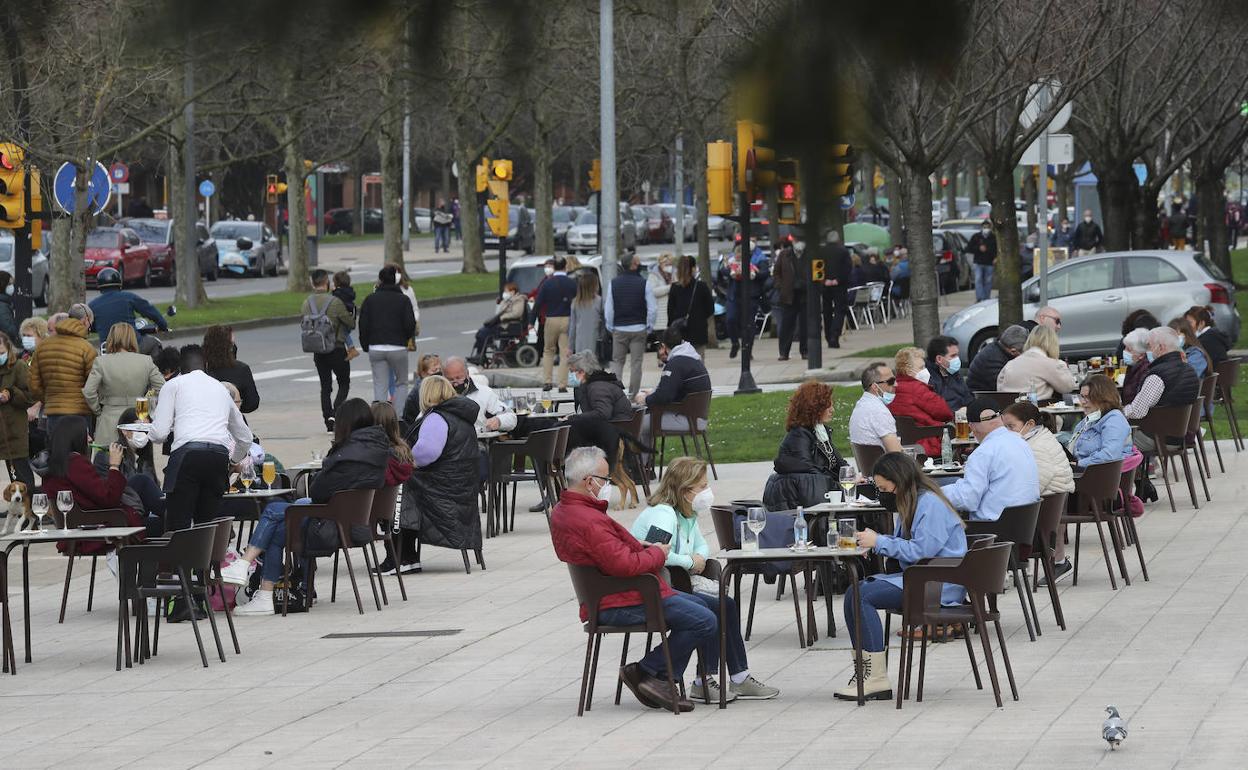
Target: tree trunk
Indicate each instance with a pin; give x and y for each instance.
(190, 291)
(1009, 283)
(66, 268)
(543, 186)
(1030, 199)
(951, 191)
(924, 296)
(445, 190)
(1145, 227)
(896, 209)
(698, 181)
(297, 266)
(390, 150)
(1062, 187)
(1118, 186)
(1211, 194)
(470, 216)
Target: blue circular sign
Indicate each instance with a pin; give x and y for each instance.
(207, 188)
(847, 202)
(99, 187)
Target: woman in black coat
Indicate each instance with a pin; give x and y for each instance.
(221, 363)
(807, 465)
(691, 301)
(1211, 338)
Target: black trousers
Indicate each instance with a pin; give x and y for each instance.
(328, 366)
(792, 319)
(202, 476)
(835, 308)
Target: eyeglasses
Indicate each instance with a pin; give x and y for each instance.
(890, 381)
(603, 479)
(1052, 318)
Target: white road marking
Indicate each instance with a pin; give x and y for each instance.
(273, 374)
(284, 360)
(355, 375)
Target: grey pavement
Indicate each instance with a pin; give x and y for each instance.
(501, 690)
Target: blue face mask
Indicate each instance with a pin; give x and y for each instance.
(572, 383)
(1151, 357)
(953, 365)
(1127, 358)
(4, 358)
(1182, 342)
(29, 342)
(887, 397)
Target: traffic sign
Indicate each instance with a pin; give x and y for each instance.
(119, 172)
(1040, 98)
(1061, 151)
(99, 187)
(847, 202)
(207, 188)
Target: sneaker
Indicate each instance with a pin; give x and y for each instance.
(711, 690)
(386, 567)
(261, 604)
(1061, 570)
(752, 689)
(110, 561)
(236, 572)
(410, 567)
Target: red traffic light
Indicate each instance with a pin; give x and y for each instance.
(788, 191)
(5, 163)
(272, 189)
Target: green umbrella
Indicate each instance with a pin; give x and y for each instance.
(865, 232)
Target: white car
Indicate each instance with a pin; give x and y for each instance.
(583, 236)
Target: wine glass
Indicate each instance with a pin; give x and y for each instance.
(248, 476)
(39, 507)
(269, 473)
(756, 520)
(848, 480)
(65, 504)
(547, 403)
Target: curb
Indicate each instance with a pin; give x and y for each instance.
(191, 332)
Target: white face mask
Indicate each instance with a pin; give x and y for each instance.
(606, 493)
(821, 432)
(138, 440)
(549, 270)
(923, 375)
(507, 295)
(703, 501)
(1093, 416)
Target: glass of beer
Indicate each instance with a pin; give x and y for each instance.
(268, 472)
(140, 408)
(846, 529)
(962, 428)
(1095, 362)
(247, 476)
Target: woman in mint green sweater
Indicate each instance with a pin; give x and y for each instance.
(672, 517)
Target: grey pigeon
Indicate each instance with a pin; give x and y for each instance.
(1113, 730)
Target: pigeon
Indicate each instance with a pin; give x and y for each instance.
(1113, 730)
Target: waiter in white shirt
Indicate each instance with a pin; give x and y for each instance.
(209, 434)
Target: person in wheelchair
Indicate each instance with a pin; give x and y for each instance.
(507, 321)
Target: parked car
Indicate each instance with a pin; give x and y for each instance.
(1095, 293)
(583, 236)
(119, 248)
(952, 265)
(527, 272)
(246, 248)
(653, 224)
(691, 220)
(562, 218)
(38, 264)
(422, 220)
(343, 221)
(520, 229)
(159, 235)
(717, 226)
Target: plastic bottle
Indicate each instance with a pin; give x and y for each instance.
(799, 529)
(946, 449)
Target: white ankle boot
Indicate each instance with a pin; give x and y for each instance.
(875, 684)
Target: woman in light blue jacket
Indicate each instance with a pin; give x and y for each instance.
(927, 527)
(1103, 435)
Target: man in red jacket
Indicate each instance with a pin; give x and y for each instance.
(584, 534)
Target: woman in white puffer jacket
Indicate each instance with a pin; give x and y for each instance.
(1056, 474)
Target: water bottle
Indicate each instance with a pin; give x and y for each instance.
(946, 449)
(799, 529)
(1032, 395)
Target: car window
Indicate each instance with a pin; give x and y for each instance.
(1145, 271)
(1080, 278)
(1211, 268)
(587, 218)
(232, 230)
(102, 239)
(153, 231)
(6, 250)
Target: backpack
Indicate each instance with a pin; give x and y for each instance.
(316, 329)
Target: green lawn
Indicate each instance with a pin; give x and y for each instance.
(280, 304)
(749, 428)
(352, 238)
(884, 352)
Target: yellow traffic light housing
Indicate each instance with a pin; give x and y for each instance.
(501, 170)
(281, 188)
(789, 191)
(595, 175)
(12, 186)
(719, 178)
(483, 175)
(816, 271)
(840, 170)
(755, 163)
(499, 205)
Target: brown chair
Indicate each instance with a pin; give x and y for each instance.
(1048, 530)
(865, 457)
(381, 518)
(1164, 423)
(591, 586)
(220, 546)
(109, 517)
(506, 467)
(694, 407)
(910, 433)
(1208, 387)
(1017, 525)
(1095, 488)
(7, 653)
(633, 461)
(347, 509)
(1228, 378)
(1002, 398)
(982, 572)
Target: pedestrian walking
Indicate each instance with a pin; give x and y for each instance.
(630, 310)
(691, 301)
(442, 220)
(344, 291)
(386, 325)
(983, 250)
(327, 319)
(554, 302)
(792, 292)
(838, 265)
(586, 323)
(1178, 227)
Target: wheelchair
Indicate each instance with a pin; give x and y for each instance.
(513, 344)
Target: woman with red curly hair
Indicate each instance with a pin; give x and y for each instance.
(807, 465)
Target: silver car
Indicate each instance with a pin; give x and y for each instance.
(1095, 294)
(38, 265)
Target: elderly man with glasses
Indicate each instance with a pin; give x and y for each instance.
(871, 423)
(1048, 316)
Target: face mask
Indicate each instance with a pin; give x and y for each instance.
(9, 290)
(821, 433)
(461, 388)
(507, 295)
(1151, 357)
(549, 270)
(888, 500)
(29, 342)
(605, 493)
(887, 397)
(703, 501)
(1088, 220)
(667, 269)
(1093, 416)
(1127, 358)
(4, 358)
(1065, 227)
(985, 230)
(572, 381)
(953, 365)
(1029, 433)
(923, 376)
(138, 440)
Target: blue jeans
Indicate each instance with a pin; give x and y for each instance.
(876, 595)
(441, 237)
(983, 282)
(270, 537)
(692, 624)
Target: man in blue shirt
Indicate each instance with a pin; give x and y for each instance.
(114, 305)
(554, 303)
(629, 310)
(1000, 473)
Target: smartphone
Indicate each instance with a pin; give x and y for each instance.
(656, 535)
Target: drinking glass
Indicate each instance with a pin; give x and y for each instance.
(1083, 369)
(756, 520)
(848, 480)
(39, 507)
(247, 476)
(140, 408)
(845, 534)
(522, 405)
(316, 456)
(269, 473)
(547, 404)
(64, 504)
(962, 428)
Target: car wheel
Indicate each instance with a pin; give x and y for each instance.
(146, 280)
(983, 337)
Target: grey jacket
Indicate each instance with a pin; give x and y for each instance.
(114, 382)
(585, 327)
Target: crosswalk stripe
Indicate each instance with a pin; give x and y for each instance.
(355, 375)
(273, 374)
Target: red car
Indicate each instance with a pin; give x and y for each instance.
(119, 248)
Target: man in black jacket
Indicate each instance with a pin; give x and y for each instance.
(1088, 236)
(837, 264)
(387, 323)
(983, 250)
(988, 362)
(787, 276)
(945, 367)
(683, 373)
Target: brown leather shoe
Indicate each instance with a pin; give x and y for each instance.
(632, 675)
(657, 690)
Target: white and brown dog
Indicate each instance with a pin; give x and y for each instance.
(20, 515)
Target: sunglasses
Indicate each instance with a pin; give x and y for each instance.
(1054, 319)
(890, 381)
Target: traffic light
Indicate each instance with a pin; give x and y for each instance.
(755, 163)
(483, 175)
(499, 206)
(719, 178)
(789, 192)
(36, 207)
(270, 188)
(12, 187)
(595, 175)
(816, 270)
(281, 188)
(501, 170)
(839, 178)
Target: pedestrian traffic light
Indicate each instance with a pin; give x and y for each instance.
(755, 163)
(270, 188)
(595, 175)
(839, 178)
(483, 175)
(281, 188)
(789, 192)
(499, 205)
(719, 178)
(12, 187)
(816, 270)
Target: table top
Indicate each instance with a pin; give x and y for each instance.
(939, 472)
(54, 535)
(257, 493)
(1062, 409)
(310, 465)
(964, 441)
(785, 554)
(844, 508)
(483, 435)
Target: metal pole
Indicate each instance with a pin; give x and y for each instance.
(680, 196)
(745, 319)
(186, 235)
(502, 265)
(407, 175)
(23, 255)
(1043, 203)
(609, 228)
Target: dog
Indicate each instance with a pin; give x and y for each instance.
(17, 495)
(620, 477)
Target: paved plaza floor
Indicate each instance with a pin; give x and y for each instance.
(500, 687)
